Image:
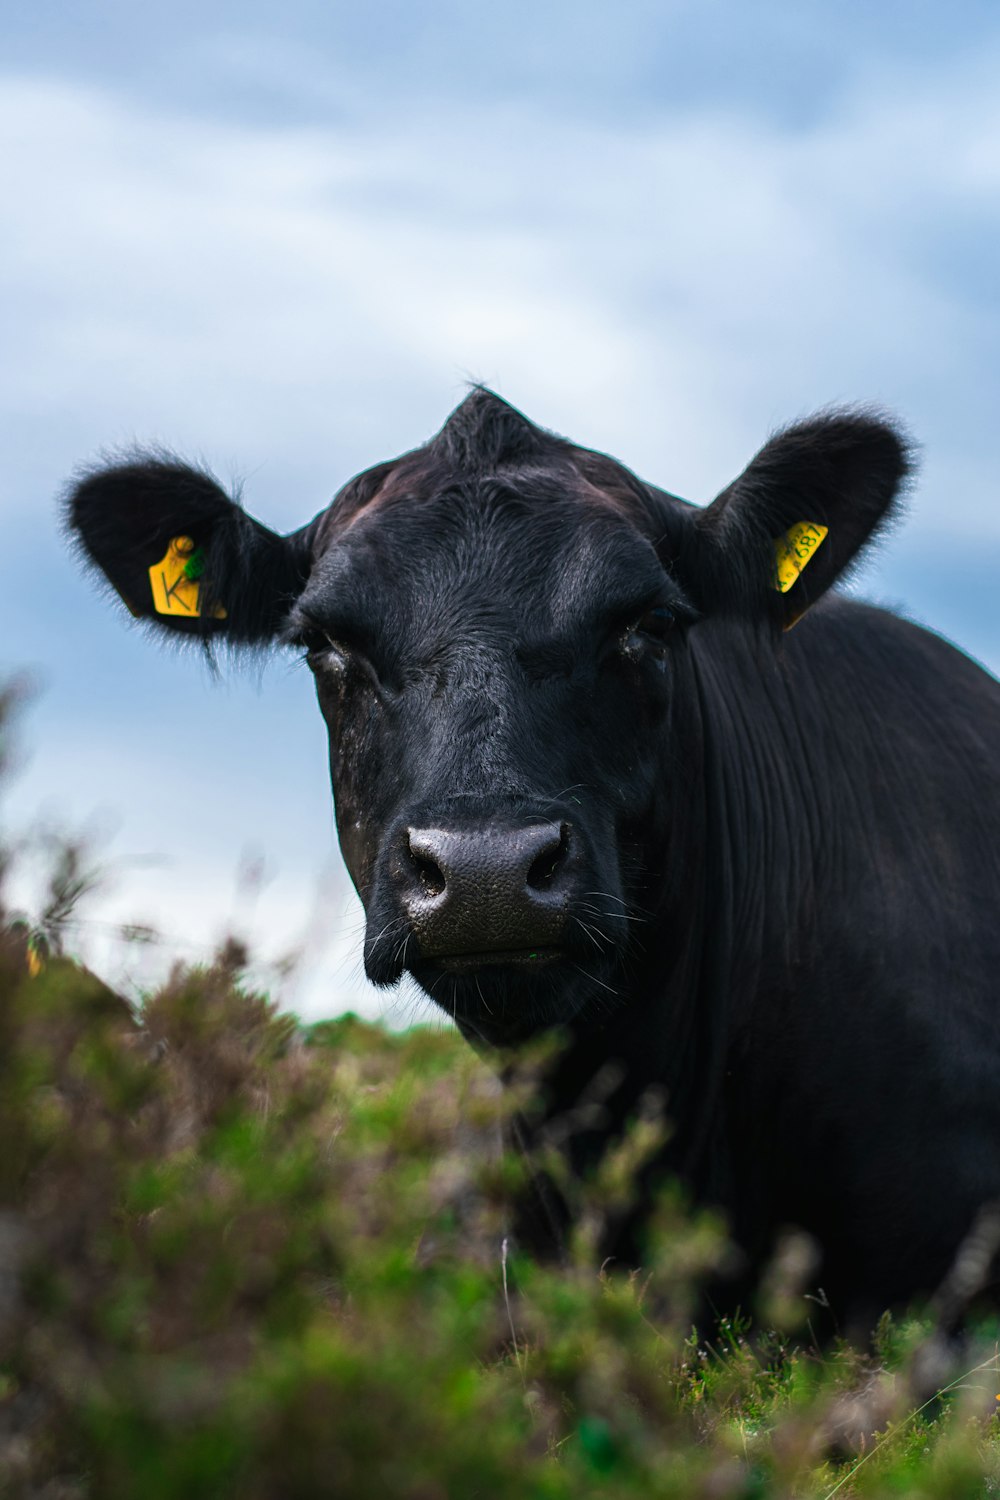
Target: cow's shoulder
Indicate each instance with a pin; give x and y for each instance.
(878, 643)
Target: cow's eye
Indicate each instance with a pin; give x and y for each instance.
(657, 623)
(319, 646)
(648, 635)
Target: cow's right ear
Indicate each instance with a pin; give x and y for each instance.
(184, 555)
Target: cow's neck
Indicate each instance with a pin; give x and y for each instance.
(738, 858)
(736, 862)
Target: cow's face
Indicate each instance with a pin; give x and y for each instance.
(496, 658)
(500, 628)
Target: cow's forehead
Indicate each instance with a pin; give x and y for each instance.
(543, 542)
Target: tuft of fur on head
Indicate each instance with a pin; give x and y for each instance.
(484, 438)
(486, 433)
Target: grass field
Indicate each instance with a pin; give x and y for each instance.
(242, 1258)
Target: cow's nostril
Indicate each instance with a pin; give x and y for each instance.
(429, 875)
(545, 867)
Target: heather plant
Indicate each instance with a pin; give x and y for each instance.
(240, 1257)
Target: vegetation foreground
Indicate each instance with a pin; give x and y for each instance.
(239, 1258)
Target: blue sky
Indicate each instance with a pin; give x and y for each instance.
(280, 241)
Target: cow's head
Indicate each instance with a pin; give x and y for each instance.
(503, 630)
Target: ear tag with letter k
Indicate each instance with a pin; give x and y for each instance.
(174, 581)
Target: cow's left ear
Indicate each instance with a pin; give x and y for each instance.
(182, 554)
(795, 519)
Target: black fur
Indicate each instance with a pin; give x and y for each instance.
(484, 435)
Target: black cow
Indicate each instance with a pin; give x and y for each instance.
(583, 775)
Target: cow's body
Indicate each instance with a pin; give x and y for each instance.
(583, 778)
(831, 1039)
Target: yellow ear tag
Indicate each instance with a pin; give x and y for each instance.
(794, 550)
(174, 581)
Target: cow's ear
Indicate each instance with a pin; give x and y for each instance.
(797, 516)
(184, 555)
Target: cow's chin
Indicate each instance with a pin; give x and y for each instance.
(503, 999)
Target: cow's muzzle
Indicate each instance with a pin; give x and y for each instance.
(498, 894)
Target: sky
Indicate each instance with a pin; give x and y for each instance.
(282, 240)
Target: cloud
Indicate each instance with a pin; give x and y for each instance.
(297, 302)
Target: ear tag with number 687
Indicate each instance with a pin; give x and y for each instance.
(794, 551)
